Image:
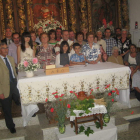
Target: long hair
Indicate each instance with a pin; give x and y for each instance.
(62, 45)
(52, 32)
(26, 34)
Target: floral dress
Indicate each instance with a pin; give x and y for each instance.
(45, 55)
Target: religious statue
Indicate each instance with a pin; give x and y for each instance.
(45, 11)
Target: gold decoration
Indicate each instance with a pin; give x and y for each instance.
(47, 91)
(30, 15)
(84, 21)
(89, 16)
(20, 5)
(119, 13)
(72, 13)
(113, 81)
(82, 85)
(9, 13)
(65, 88)
(125, 14)
(63, 15)
(29, 94)
(2, 19)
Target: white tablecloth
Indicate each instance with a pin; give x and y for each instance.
(97, 109)
(38, 88)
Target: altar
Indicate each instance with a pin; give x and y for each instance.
(84, 77)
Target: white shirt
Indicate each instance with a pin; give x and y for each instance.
(9, 64)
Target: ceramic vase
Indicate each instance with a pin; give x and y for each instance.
(29, 74)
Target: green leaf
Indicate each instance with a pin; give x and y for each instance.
(80, 114)
(81, 129)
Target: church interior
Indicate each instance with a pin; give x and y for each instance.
(72, 15)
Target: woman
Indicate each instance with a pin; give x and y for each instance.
(80, 38)
(63, 58)
(115, 57)
(52, 37)
(44, 51)
(35, 44)
(132, 59)
(25, 50)
(123, 43)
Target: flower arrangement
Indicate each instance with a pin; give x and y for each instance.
(30, 64)
(48, 25)
(106, 25)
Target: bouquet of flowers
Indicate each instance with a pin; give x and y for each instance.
(48, 25)
(106, 25)
(30, 64)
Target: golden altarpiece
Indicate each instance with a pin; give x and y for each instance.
(21, 15)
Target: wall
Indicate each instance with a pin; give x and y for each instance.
(134, 15)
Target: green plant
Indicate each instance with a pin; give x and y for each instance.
(81, 105)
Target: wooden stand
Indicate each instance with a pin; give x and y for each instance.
(95, 118)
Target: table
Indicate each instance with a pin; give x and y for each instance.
(36, 89)
(96, 113)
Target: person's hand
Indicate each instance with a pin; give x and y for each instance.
(66, 65)
(105, 56)
(92, 62)
(2, 96)
(57, 53)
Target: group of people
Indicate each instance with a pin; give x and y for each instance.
(62, 48)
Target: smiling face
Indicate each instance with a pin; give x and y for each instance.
(65, 48)
(90, 39)
(107, 33)
(52, 36)
(4, 50)
(33, 36)
(132, 49)
(115, 53)
(99, 35)
(27, 39)
(65, 35)
(77, 49)
(16, 38)
(8, 33)
(44, 38)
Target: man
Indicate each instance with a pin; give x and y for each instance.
(91, 50)
(8, 36)
(136, 83)
(39, 31)
(65, 37)
(8, 86)
(100, 41)
(58, 34)
(13, 46)
(118, 34)
(72, 36)
(110, 42)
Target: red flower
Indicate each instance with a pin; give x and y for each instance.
(60, 99)
(112, 100)
(113, 91)
(55, 22)
(52, 110)
(49, 22)
(106, 87)
(90, 92)
(109, 94)
(104, 21)
(60, 26)
(61, 95)
(54, 93)
(110, 23)
(91, 89)
(56, 96)
(46, 24)
(46, 100)
(76, 94)
(68, 105)
(97, 88)
(132, 112)
(71, 91)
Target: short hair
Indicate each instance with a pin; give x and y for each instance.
(58, 28)
(107, 29)
(76, 44)
(98, 32)
(133, 45)
(79, 33)
(62, 45)
(44, 33)
(115, 48)
(64, 31)
(118, 28)
(2, 44)
(8, 28)
(16, 33)
(125, 30)
(51, 32)
(71, 31)
(33, 32)
(90, 33)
